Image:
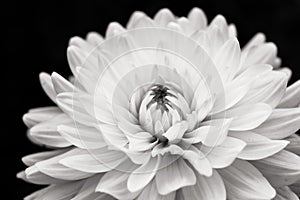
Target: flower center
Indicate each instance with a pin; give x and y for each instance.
(160, 93)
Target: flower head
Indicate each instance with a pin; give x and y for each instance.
(168, 108)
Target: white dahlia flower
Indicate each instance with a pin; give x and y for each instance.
(168, 108)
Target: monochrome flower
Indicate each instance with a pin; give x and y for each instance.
(168, 108)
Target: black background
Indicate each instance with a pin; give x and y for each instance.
(36, 37)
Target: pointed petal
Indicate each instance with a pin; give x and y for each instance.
(223, 155)
(285, 193)
(82, 136)
(31, 159)
(198, 160)
(46, 132)
(227, 59)
(62, 191)
(269, 89)
(140, 177)
(294, 145)
(53, 168)
(281, 124)
(248, 117)
(291, 97)
(211, 188)
(257, 39)
(174, 175)
(47, 85)
(60, 84)
(94, 38)
(258, 146)
(37, 115)
(114, 182)
(33, 175)
(95, 161)
(244, 181)
(280, 169)
(150, 192)
(197, 19)
(163, 17)
(176, 131)
(87, 191)
(259, 54)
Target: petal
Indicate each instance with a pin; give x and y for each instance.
(281, 124)
(36, 157)
(94, 38)
(258, 146)
(257, 39)
(280, 169)
(114, 29)
(176, 131)
(64, 191)
(198, 160)
(33, 175)
(87, 191)
(174, 175)
(291, 97)
(268, 88)
(223, 155)
(163, 17)
(243, 181)
(47, 85)
(210, 188)
(114, 182)
(294, 145)
(247, 117)
(37, 115)
(295, 188)
(140, 177)
(46, 132)
(95, 161)
(60, 84)
(150, 192)
(285, 193)
(197, 19)
(113, 135)
(53, 168)
(82, 136)
(259, 54)
(227, 59)
(71, 105)
(216, 132)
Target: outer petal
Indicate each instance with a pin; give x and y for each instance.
(115, 182)
(292, 96)
(95, 161)
(46, 132)
(223, 155)
(150, 192)
(173, 174)
(84, 137)
(64, 191)
(280, 169)
(87, 191)
(243, 181)
(281, 124)
(285, 193)
(210, 188)
(258, 146)
(247, 117)
(37, 115)
(53, 168)
(47, 85)
(140, 177)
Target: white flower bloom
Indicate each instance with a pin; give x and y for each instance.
(168, 108)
